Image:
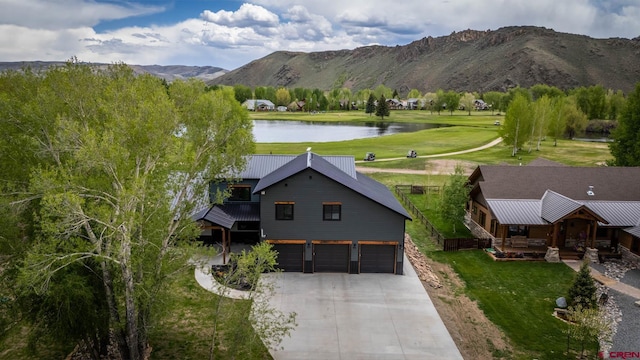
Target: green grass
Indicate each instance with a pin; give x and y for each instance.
(185, 331)
(468, 132)
(429, 205)
(519, 297)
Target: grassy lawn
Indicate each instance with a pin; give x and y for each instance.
(183, 332)
(518, 297)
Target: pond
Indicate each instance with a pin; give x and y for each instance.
(280, 131)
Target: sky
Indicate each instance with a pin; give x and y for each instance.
(229, 34)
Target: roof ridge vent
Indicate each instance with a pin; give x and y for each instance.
(590, 191)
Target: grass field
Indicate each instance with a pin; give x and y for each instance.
(469, 132)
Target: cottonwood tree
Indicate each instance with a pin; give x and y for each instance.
(518, 123)
(283, 98)
(542, 112)
(557, 123)
(575, 120)
(116, 164)
(455, 195)
(257, 320)
(626, 148)
(467, 101)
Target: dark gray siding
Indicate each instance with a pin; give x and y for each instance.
(213, 187)
(362, 218)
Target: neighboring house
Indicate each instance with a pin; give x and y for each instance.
(561, 208)
(479, 104)
(395, 104)
(413, 104)
(259, 105)
(318, 212)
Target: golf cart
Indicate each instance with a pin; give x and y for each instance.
(369, 156)
(412, 154)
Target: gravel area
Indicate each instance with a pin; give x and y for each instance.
(627, 338)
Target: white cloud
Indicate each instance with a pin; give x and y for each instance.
(60, 29)
(246, 15)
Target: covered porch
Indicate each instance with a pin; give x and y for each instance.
(229, 226)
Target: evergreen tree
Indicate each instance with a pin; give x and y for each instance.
(371, 105)
(382, 109)
(583, 290)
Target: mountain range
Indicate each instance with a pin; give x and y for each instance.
(468, 60)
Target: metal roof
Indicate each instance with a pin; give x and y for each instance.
(554, 206)
(226, 215)
(513, 211)
(635, 231)
(360, 183)
(617, 213)
(258, 166)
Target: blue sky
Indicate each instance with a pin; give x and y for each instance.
(229, 33)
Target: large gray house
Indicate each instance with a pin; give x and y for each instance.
(318, 212)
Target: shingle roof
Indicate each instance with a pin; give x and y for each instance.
(531, 182)
(360, 183)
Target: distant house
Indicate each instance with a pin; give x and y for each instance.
(395, 104)
(479, 104)
(318, 212)
(413, 104)
(559, 209)
(259, 105)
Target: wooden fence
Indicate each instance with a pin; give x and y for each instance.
(454, 244)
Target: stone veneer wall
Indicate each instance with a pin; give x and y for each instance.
(629, 256)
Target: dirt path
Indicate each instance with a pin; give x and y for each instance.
(475, 336)
(433, 166)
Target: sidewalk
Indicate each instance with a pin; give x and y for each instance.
(608, 282)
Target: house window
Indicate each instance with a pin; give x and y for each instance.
(240, 193)
(475, 209)
(284, 210)
(483, 218)
(331, 211)
(494, 225)
(635, 245)
(518, 230)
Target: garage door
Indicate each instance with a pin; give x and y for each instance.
(377, 258)
(290, 256)
(331, 258)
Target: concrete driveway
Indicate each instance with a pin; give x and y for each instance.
(363, 316)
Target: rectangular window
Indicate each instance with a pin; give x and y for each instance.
(331, 211)
(483, 219)
(240, 193)
(284, 210)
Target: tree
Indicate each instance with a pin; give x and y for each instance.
(414, 94)
(557, 123)
(440, 101)
(283, 98)
(586, 324)
(121, 164)
(452, 101)
(242, 93)
(269, 324)
(492, 98)
(395, 94)
(382, 90)
(454, 197)
(542, 112)
(583, 290)
(518, 122)
(625, 147)
(615, 104)
(575, 120)
(382, 109)
(540, 90)
(467, 101)
(371, 105)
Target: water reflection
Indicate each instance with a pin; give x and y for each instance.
(271, 131)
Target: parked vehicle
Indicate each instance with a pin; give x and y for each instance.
(497, 123)
(369, 156)
(412, 154)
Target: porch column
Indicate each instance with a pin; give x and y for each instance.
(504, 240)
(593, 236)
(554, 237)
